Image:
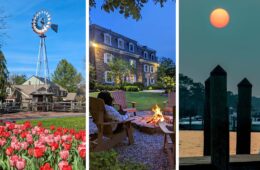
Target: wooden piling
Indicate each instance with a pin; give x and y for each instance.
(244, 117)
(206, 118)
(219, 123)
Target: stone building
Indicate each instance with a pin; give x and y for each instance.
(106, 44)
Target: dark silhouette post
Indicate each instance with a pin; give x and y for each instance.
(244, 117)
(219, 124)
(206, 119)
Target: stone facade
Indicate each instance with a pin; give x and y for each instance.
(106, 44)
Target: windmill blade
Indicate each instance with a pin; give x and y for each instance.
(54, 27)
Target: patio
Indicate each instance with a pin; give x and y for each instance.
(147, 149)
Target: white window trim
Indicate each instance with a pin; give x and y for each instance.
(151, 69)
(106, 56)
(106, 34)
(146, 56)
(131, 44)
(123, 46)
(152, 82)
(152, 56)
(146, 68)
(106, 72)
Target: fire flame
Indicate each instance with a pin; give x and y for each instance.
(157, 116)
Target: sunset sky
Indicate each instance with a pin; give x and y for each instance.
(236, 47)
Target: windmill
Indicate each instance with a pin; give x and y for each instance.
(41, 22)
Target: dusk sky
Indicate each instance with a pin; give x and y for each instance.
(156, 29)
(21, 45)
(236, 47)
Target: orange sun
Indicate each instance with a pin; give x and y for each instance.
(219, 18)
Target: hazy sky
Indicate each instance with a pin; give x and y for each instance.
(156, 29)
(21, 45)
(236, 48)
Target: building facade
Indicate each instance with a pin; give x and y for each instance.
(106, 44)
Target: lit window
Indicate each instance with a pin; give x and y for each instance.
(108, 57)
(120, 43)
(108, 77)
(131, 47)
(107, 39)
(133, 63)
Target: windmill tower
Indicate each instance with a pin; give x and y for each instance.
(41, 22)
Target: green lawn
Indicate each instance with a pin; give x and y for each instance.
(144, 100)
(77, 123)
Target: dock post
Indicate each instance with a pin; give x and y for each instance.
(244, 117)
(206, 118)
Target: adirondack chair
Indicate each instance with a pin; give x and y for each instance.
(169, 142)
(120, 100)
(170, 104)
(106, 138)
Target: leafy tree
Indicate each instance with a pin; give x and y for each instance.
(92, 77)
(166, 68)
(125, 7)
(120, 69)
(3, 77)
(168, 83)
(17, 79)
(66, 76)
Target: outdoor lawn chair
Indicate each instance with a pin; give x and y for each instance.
(169, 141)
(170, 104)
(106, 137)
(120, 100)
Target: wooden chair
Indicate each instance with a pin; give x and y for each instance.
(169, 142)
(170, 104)
(106, 138)
(120, 100)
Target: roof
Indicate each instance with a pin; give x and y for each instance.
(70, 97)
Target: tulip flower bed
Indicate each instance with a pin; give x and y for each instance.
(27, 147)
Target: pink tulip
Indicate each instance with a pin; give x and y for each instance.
(13, 160)
(29, 138)
(64, 154)
(63, 163)
(20, 164)
(24, 145)
(2, 142)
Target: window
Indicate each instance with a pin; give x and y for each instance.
(132, 78)
(146, 68)
(152, 56)
(107, 39)
(108, 77)
(152, 80)
(151, 69)
(120, 43)
(131, 47)
(145, 54)
(29, 82)
(132, 63)
(108, 57)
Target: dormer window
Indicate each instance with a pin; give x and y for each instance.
(120, 43)
(131, 47)
(145, 54)
(107, 39)
(152, 56)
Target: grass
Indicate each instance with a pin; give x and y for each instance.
(77, 123)
(144, 100)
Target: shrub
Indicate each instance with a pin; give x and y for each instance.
(150, 88)
(139, 84)
(131, 88)
(109, 160)
(101, 87)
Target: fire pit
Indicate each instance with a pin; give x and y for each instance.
(148, 121)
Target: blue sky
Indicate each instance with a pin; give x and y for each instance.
(156, 29)
(21, 44)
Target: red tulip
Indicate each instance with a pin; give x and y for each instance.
(40, 124)
(9, 151)
(52, 127)
(46, 166)
(66, 146)
(67, 167)
(38, 152)
(54, 146)
(82, 153)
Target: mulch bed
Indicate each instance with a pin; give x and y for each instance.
(147, 149)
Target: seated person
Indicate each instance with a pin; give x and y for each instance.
(112, 113)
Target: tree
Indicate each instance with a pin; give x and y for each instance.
(66, 76)
(92, 77)
(3, 77)
(17, 79)
(168, 83)
(127, 8)
(166, 68)
(120, 69)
